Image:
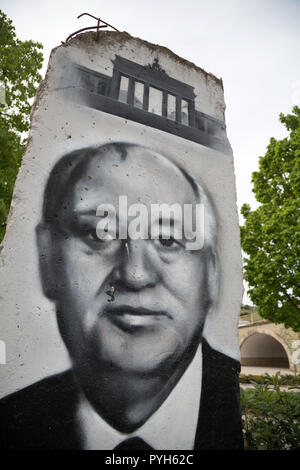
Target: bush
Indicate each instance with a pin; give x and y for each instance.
(271, 418)
(271, 380)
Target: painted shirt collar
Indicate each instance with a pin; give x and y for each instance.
(172, 426)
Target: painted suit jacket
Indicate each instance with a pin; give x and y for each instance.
(42, 416)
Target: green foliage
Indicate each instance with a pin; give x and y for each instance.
(248, 307)
(275, 380)
(271, 419)
(271, 234)
(20, 62)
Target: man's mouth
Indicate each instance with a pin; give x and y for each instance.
(130, 318)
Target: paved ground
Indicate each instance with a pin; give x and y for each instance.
(262, 370)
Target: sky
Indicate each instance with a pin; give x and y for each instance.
(251, 44)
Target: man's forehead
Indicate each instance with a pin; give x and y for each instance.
(135, 159)
(141, 175)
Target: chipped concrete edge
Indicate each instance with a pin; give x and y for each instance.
(107, 37)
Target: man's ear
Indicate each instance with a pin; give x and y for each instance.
(46, 260)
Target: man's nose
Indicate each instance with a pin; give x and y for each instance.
(136, 270)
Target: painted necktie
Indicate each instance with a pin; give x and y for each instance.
(133, 443)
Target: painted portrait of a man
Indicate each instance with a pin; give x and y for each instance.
(131, 314)
(121, 264)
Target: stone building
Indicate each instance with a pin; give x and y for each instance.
(264, 344)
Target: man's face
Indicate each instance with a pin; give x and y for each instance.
(160, 288)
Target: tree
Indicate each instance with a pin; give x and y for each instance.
(20, 62)
(271, 233)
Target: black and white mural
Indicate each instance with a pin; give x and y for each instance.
(145, 94)
(121, 266)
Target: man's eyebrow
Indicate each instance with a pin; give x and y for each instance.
(91, 212)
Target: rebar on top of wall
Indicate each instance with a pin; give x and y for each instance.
(100, 25)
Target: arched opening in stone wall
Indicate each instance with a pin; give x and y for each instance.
(262, 350)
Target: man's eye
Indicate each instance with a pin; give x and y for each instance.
(92, 235)
(169, 244)
(166, 241)
(92, 239)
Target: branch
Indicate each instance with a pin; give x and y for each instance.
(290, 299)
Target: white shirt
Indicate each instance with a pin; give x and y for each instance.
(171, 427)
